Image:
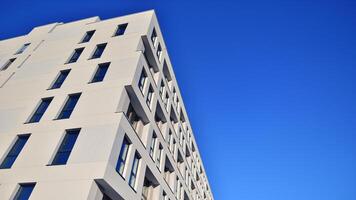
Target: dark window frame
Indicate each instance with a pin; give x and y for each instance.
(74, 57)
(69, 106)
(99, 50)
(24, 191)
(40, 110)
(7, 64)
(66, 147)
(120, 29)
(14, 151)
(87, 37)
(100, 72)
(60, 78)
(22, 48)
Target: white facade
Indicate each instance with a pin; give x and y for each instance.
(30, 65)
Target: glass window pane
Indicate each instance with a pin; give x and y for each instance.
(69, 106)
(66, 147)
(98, 51)
(41, 109)
(120, 29)
(60, 79)
(100, 73)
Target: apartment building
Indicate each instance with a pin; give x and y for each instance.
(91, 109)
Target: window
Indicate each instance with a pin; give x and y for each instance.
(159, 52)
(132, 117)
(60, 79)
(41, 109)
(166, 100)
(134, 169)
(66, 147)
(154, 37)
(164, 195)
(75, 56)
(142, 81)
(69, 106)
(170, 140)
(23, 48)
(88, 35)
(24, 191)
(153, 144)
(98, 51)
(161, 89)
(7, 64)
(159, 154)
(149, 96)
(120, 166)
(120, 29)
(100, 72)
(14, 151)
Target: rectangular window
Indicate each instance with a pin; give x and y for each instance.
(134, 169)
(66, 147)
(142, 81)
(98, 51)
(166, 100)
(159, 52)
(24, 191)
(60, 79)
(88, 35)
(69, 106)
(23, 48)
(170, 139)
(159, 154)
(154, 37)
(100, 72)
(40, 110)
(149, 96)
(7, 64)
(161, 89)
(14, 151)
(120, 29)
(120, 166)
(75, 56)
(153, 144)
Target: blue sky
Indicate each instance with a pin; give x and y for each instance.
(269, 87)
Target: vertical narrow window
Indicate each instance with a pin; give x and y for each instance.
(100, 72)
(14, 151)
(75, 55)
(66, 147)
(120, 29)
(98, 51)
(120, 166)
(153, 144)
(88, 35)
(134, 169)
(159, 154)
(166, 100)
(164, 195)
(23, 48)
(7, 64)
(170, 139)
(40, 110)
(24, 191)
(142, 81)
(60, 79)
(154, 37)
(69, 106)
(149, 96)
(159, 52)
(161, 89)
